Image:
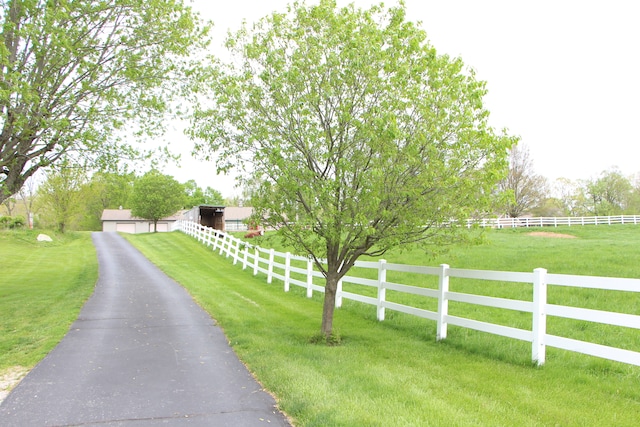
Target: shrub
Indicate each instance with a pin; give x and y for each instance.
(17, 222)
(12, 222)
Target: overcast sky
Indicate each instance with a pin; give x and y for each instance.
(563, 75)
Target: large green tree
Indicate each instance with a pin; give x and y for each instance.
(74, 72)
(359, 135)
(156, 196)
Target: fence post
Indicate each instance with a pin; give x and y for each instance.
(236, 254)
(270, 268)
(443, 302)
(287, 270)
(382, 291)
(309, 277)
(229, 245)
(256, 257)
(538, 345)
(246, 255)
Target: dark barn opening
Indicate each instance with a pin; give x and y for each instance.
(212, 216)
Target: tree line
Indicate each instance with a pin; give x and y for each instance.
(528, 193)
(70, 200)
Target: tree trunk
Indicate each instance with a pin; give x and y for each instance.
(330, 290)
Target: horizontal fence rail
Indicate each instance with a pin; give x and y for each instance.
(278, 265)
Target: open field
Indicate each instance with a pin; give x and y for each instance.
(43, 286)
(394, 372)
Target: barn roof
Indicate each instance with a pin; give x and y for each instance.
(235, 213)
(125, 215)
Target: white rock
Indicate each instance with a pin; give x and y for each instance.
(44, 238)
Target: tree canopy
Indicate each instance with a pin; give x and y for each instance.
(359, 135)
(74, 72)
(60, 196)
(195, 195)
(156, 196)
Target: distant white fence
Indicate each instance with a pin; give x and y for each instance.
(278, 265)
(554, 221)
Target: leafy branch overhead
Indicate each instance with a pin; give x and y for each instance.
(357, 130)
(75, 72)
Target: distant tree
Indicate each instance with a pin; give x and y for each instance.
(113, 189)
(233, 201)
(566, 192)
(74, 72)
(610, 193)
(60, 196)
(156, 196)
(103, 191)
(9, 204)
(633, 207)
(213, 197)
(549, 207)
(360, 136)
(195, 195)
(527, 188)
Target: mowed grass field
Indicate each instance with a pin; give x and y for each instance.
(384, 373)
(394, 372)
(43, 286)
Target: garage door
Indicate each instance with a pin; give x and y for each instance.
(162, 227)
(126, 228)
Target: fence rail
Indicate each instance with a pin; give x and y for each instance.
(278, 265)
(554, 221)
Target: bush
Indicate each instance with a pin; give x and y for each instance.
(17, 222)
(12, 222)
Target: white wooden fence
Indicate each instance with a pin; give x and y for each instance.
(279, 265)
(554, 221)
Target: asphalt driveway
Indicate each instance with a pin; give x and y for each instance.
(142, 353)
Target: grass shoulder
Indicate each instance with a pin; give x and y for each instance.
(43, 288)
(394, 372)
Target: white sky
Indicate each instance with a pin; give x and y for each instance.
(563, 75)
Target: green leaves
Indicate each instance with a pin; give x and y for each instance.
(362, 136)
(156, 196)
(74, 72)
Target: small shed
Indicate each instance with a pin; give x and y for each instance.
(207, 215)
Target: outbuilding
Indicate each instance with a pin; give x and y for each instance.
(207, 215)
(122, 221)
(221, 218)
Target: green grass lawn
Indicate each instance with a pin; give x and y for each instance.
(42, 288)
(394, 372)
